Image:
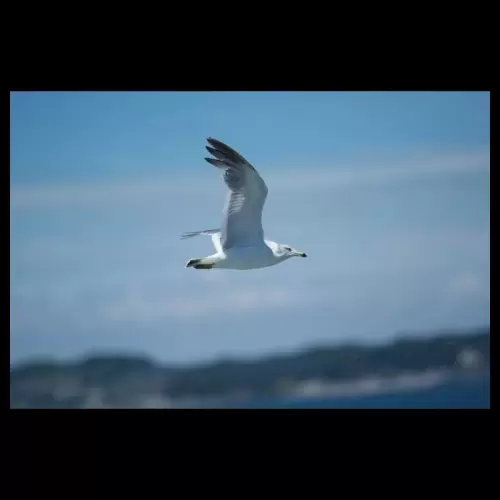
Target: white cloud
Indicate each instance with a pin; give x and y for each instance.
(387, 172)
(207, 305)
(468, 285)
(152, 190)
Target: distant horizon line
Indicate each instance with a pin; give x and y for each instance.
(416, 336)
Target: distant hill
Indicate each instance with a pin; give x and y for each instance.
(120, 379)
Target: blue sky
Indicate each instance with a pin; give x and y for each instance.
(387, 192)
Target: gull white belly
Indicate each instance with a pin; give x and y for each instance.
(244, 258)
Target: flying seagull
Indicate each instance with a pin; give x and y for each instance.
(240, 243)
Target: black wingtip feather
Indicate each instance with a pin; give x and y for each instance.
(223, 148)
(226, 153)
(216, 163)
(215, 152)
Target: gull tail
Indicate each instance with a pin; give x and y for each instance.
(207, 232)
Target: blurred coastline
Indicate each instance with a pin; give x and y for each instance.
(445, 370)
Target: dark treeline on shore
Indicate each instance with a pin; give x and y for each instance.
(44, 382)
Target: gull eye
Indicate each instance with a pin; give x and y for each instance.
(288, 249)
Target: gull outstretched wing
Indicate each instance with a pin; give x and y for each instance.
(242, 214)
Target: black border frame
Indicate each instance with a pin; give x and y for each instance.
(45, 442)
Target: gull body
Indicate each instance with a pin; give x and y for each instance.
(240, 242)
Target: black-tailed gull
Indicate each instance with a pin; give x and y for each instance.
(240, 243)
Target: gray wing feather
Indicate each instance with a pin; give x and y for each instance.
(242, 215)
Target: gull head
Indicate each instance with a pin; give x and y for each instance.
(286, 251)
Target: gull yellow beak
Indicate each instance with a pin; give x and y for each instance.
(302, 254)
